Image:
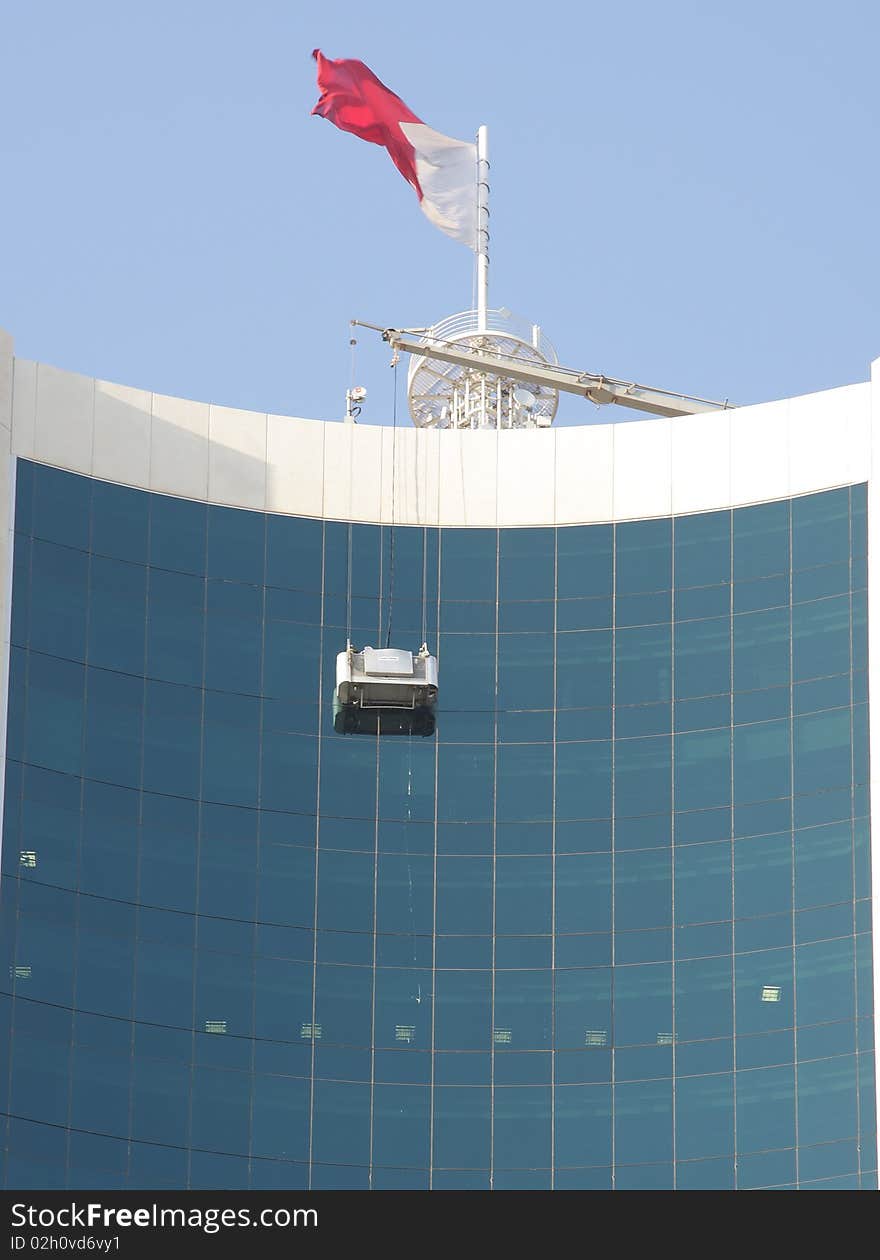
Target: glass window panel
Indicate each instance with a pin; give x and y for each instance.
(176, 627)
(341, 1124)
(462, 1128)
(525, 671)
(643, 889)
(765, 1109)
(236, 544)
(584, 780)
(406, 779)
(58, 586)
(583, 669)
(345, 891)
(644, 556)
(820, 528)
(822, 751)
(702, 657)
(525, 616)
(280, 1122)
(704, 1117)
(643, 1126)
(178, 531)
(233, 639)
(168, 847)
(642, 1004)
(761, 540)
(283, 1003)
(819, 583)
(526, 564)
(820, 638)
(290, 666)
(762, 875)
(823, 864)
(117, 601)
(583, 1008)
(703, 998)
(524, 785)
(231, 748)
(644, 609)
(523, 895)
(583, 892)
(401, 1126)
(114, 718)
(468, 666)
(119, 521)
(830, 1159)
(594, 613)
(695, 1058)
(761, 649)
(462, 1010)
(405, 894)
(650, 832)
(643, 776)
(343, 1005)
(53, 737)
(523, 837)
(702, 883)
(468, 559)
(824, 974)
(705, 1174)
(702, 549)
(286, 884)
(172, 738)
(584, 560)
(464, 895)
(109, 854)
(701, 601)
(823, 693)
(756, 594)
(643, 664)
(523, 1008)
(643, 945)
(702, 769)
(470, 768)
(702, 826)
(522, 1127)
(761, 761)
(583, 1125)
(61, 503)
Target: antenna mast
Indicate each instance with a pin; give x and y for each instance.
(482, 227)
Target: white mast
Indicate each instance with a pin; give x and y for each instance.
(482, 227)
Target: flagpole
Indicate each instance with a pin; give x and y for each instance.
(482, 226)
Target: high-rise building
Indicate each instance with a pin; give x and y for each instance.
(600, 919)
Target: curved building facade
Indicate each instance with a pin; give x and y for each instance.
(607, 924)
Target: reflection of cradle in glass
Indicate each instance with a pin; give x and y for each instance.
(352, 719)
(385, 679)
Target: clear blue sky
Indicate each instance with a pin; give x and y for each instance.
(685, 194)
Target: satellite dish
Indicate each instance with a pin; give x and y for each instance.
(524, 398)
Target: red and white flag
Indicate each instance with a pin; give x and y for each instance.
(443, 171)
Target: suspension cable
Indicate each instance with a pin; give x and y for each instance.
(393, 506)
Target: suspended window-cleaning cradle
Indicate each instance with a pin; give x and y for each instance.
(388, 690)
(386, 678)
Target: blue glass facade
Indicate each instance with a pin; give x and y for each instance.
(607, 926)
